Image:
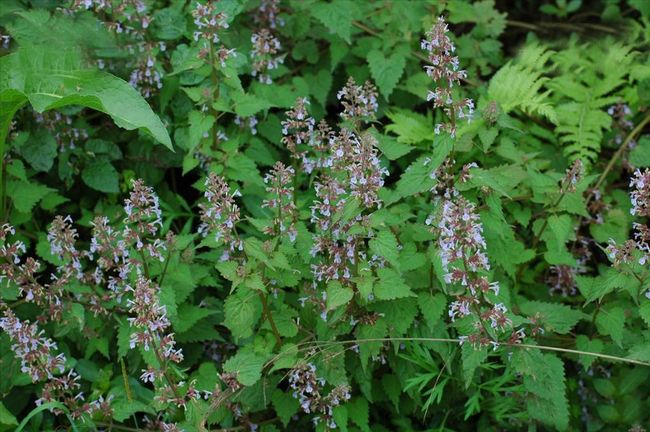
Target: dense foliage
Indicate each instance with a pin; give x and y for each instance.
(314, 215)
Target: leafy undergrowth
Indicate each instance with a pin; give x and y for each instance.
(324, 215)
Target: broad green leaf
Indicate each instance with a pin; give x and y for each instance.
(338, 295)
(243, 310)
(611, 321)
(188, 315)
(472, 359)
(410, 127)
(337, 16)
(25, 195)
(640, 155)
(385, 245)
(247, 366)
(40, 150)
(102, 176)
(391, 285)
(6, 417)
(432, 307)
(386, 71)
(555, 317)
(52, 79)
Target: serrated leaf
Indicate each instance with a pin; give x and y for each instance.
(391, 285)
(384, 244)
(432, 307)
(611, 321)
(102, 176)
(243, 310)
(40, 150)
(386, 71)
(247, 366)
(285, 405)
(338, 295)
(25, 195)
(188, 315)
(554, 317)
(337, 16)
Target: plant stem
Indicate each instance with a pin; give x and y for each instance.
(269, 316)
(619, 153)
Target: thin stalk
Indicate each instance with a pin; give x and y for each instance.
(269, 317)
(619, 153)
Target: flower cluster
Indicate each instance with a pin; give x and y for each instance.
(220, 214)
(145, 76)
(249, 123)
(210, 24)
(38, 360)
(444, 70)
(366, 175)
(464, 260)
(35, 352)
(298, 128)
(150, 320)
(280, 185)
(61, 126)
(307, 388)
(640, 195)
(359, 102)
(264, 55)
(267, 14)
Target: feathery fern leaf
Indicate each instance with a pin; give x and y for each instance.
(589, 77)
(517, 85)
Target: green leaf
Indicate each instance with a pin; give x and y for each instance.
(472, 359)
(432, 307)
(40, 151)
(247, 366)
(611, 321)
(247, 105)
(384, 244)
(410, 127)
(25, 195)
(337, 16)
(338, 295)
(243, 310)
(386, 71)
(583, 343)
(285, 405)
(50, 79)
(640, 155)
(188, 315)
(358, 412)
(391, 285)
(102, 176)
(543, 376)
(555, 317)
(6, 417)
(644, 311)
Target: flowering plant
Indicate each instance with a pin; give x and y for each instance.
(318, 215)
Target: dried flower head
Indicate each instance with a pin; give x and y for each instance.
(573, 176)
(444, 70)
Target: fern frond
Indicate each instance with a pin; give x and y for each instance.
(517, 86)
(589, 78)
